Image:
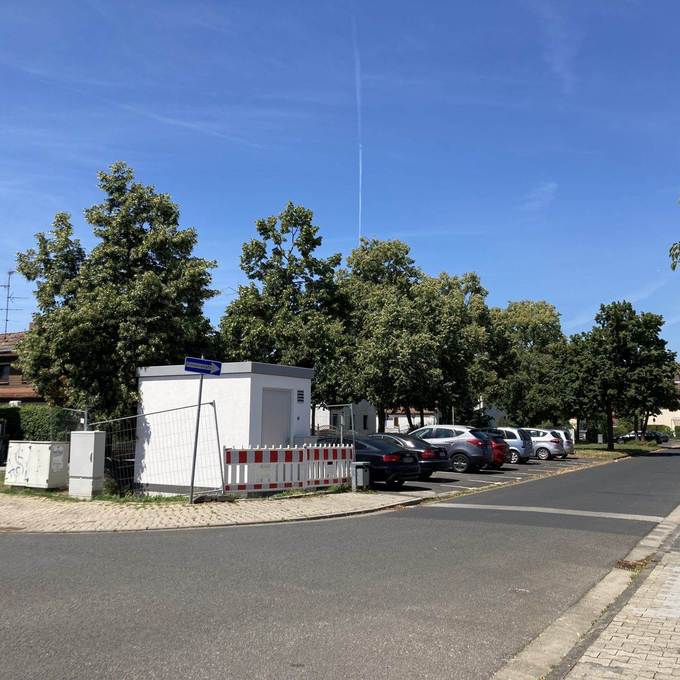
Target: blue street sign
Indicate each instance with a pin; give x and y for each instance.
(206, 366)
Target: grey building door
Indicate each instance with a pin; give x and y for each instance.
(276, 414)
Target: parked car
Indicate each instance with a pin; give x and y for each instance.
(390, 463)
(567, 441)
(547, 444)
(518, 441)
(468, 448)
(500, 451)
(650, 436)
(431, 458)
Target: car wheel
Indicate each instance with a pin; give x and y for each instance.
(424, 476)
(460, 463)
(395, 484)
(543, 454)
(514, 457)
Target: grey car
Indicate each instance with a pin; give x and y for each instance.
(547, 444)
(518, 440)
(469, 448)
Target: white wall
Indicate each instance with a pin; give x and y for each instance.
(231, 393)
(402, 421)
(299, 420)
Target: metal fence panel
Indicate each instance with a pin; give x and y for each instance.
(152, 452)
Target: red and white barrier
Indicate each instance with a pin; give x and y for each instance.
(279, 469)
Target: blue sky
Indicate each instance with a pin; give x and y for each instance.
(536, 143)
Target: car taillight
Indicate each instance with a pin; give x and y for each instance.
(476, 442)
(391, 457)
(428, 454)
(556, 441)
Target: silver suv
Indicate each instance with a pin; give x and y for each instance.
(468, 448)
(517, 439)
(547, 444)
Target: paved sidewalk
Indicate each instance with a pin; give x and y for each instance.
(24, 514)
(643, 639)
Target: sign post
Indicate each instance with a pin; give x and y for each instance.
(203, 367)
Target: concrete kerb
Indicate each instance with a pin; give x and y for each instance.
(543, 654)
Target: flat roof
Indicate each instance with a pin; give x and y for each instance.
(230, 368)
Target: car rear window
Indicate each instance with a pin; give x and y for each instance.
(524, 435)
(557, 434)
(479, 434)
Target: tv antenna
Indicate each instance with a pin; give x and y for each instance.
(9, 299)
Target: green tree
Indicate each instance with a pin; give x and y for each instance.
(579, 388)
(529, 362)
(631, 370)
(135, 299)
(392, 356)
(454, 310)
(291, 311)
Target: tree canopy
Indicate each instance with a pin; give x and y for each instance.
(135, 299)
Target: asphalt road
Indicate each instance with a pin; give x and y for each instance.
(446, 482)
(425, 592)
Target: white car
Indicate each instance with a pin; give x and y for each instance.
(567, 441)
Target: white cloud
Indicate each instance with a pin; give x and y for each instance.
(540, 197)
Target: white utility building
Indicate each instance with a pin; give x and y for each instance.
(256, 405)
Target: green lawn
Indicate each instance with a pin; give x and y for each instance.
(620, 450)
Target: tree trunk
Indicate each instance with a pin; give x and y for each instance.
(577, 434)
(610, 428)
(381, 419)
(645, 423)
(636, 426)
(409, 418)
(422, 417)
(313, 427)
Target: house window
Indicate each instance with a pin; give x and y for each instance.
(334, 420)
(395, 421)
(365, 422)
(4, 373)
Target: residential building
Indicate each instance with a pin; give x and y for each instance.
(13, 386)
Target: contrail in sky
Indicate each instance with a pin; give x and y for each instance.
(357, 84)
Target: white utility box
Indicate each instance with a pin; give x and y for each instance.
(39, 465)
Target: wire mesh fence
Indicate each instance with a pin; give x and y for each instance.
(153, 452)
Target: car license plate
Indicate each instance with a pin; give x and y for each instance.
(407, 459)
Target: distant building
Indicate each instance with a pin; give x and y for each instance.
(339, 417)
(397, 421)
(13, 386)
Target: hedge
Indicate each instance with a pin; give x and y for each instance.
(34, 422)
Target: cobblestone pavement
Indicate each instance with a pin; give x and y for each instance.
(19, 514)
(643, 639)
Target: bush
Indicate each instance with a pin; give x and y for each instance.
(34, 422)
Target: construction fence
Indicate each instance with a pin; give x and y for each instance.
(152, 453)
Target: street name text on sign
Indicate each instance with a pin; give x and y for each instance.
(204, 366)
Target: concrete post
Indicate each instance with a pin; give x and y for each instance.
(86, 465)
